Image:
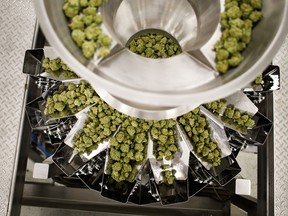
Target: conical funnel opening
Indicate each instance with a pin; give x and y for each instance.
(190, 22)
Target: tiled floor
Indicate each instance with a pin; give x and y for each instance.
(17, 20)
(281, 135)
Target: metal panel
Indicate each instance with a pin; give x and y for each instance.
(17, 26)
(281, 135)
(83, 199)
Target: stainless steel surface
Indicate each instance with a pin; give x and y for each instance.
(16, 35)
(17, 26)
(83, 199)
(140, 110)
(161, 83)
(281, 135)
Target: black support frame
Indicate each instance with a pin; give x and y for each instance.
(45, 195)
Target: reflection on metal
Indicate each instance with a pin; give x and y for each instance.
(256, 135)
(270, 83)
(45, 195)
(192, 173)
(136, 82)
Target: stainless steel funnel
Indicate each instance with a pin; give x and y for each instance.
(164, 88)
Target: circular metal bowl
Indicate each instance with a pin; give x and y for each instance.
(164, 88)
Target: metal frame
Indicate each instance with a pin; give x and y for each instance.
(264, 204)
(266, 165)
(44, 195)
(83, 199)
(22, 150)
